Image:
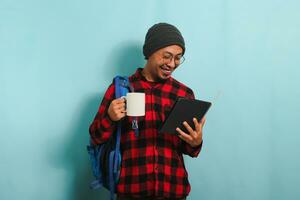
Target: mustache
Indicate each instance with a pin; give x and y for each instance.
(168, 67)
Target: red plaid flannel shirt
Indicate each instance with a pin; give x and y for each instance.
(152, 163)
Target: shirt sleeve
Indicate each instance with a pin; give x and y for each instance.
(185, 147)
(191, 151)
(102, 126)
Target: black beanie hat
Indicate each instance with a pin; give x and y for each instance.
(162, 35)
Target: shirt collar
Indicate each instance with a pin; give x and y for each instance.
(139, 76)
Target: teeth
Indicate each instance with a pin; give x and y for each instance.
(165, 69)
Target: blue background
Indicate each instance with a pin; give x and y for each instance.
(57, 58)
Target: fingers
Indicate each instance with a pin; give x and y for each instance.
(194, 137)
(117, 109)
(120, 107)
(202, 122)
(197, 125)
(118, 104)
(120, 115)
(184, 136)
(188, 128)
(119, 101)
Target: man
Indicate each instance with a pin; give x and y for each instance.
(152, 163)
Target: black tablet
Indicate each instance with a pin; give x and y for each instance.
(184, 110)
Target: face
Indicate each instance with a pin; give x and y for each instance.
(163, 62)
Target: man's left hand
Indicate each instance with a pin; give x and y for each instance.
(194, 137)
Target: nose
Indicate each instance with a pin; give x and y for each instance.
(172, 63)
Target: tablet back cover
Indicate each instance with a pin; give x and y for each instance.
(184, 110)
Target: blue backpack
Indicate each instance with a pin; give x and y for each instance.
(106, 157)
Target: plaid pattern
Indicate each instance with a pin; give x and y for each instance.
(152, 163)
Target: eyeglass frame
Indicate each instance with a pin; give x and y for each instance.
(169, 60)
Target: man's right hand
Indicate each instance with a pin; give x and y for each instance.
(117, 109)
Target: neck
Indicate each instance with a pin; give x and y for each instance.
(147, 74)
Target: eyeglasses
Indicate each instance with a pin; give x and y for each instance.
(168, 57)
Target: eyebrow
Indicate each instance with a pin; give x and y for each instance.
(172, 54)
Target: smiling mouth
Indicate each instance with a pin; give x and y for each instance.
(166, 70)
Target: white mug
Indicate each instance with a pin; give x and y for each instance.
(135, 104)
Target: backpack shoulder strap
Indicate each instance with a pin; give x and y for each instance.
(122, 86)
